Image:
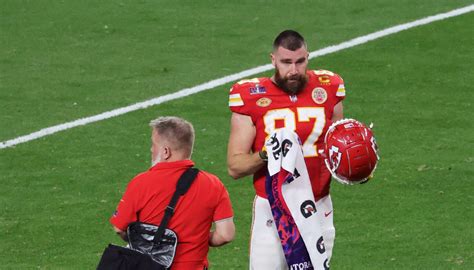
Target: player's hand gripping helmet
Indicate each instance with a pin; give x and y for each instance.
(351, 151)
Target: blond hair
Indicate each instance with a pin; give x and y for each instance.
(176, 131)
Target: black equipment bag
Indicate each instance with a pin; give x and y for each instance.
(122, 258)
(151, 246)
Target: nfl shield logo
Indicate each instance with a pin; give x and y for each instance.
(334, 157)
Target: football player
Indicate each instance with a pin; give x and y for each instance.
(306, 101)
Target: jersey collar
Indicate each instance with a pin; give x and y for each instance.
(187, 163)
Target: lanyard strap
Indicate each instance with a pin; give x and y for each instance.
(184, 182)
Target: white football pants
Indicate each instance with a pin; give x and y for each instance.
(266, 252)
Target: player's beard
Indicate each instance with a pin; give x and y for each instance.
(291, 85)
(155, 160)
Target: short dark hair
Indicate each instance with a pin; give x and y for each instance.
(290, 40)
(177, 131)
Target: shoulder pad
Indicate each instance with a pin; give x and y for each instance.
(330, 78)
(320, 72)
(334, 77)
(244, 84)
(246, 81)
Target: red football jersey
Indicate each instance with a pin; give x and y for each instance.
(148, 195)
(308, 113)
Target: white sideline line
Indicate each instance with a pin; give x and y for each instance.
(231, 78)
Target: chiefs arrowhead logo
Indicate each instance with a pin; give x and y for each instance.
(334, 157)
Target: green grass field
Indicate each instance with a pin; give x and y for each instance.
(63, 60)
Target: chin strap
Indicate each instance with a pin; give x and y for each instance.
(347, 182)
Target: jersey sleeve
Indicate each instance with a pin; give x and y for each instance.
(331, 82)
(236, 103)
(341, 89)
(224, 207)
(125, 212)
(236, 99)
(240, 99)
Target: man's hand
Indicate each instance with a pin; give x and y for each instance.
(121, 233)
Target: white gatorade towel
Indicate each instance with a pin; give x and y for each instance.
(292, 202)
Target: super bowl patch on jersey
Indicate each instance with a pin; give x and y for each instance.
(257, 90)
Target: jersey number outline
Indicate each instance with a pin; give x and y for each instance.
(305, 114)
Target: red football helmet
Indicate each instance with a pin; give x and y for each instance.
(351, 151)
